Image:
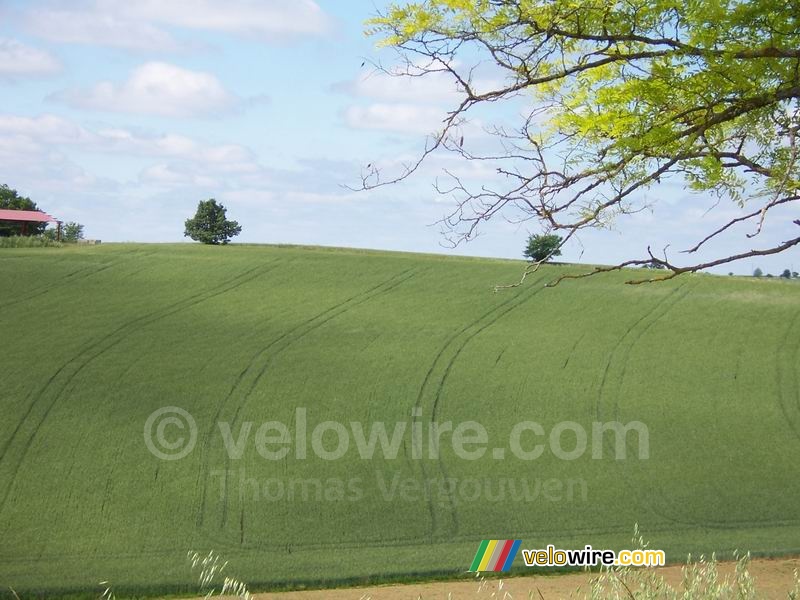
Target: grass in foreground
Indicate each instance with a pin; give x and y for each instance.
(701, 580)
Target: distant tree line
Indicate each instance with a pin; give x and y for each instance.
(786, 274)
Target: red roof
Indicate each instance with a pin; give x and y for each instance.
(26, 215)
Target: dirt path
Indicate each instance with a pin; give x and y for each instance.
(774, 579)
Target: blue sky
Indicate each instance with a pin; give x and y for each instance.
(123, 115)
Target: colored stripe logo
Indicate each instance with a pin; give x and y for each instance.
(495, 555)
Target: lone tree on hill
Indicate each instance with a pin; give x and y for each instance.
(543, 247)
(72, 232)
(209, 224)
(620, 96)
(10, 199)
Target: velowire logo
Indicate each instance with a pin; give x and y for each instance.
(495, 555)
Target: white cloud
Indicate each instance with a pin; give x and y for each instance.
(18, 59)
(31, 156)
(156, 88)
(140, 25)
(46, 129)
(173, 146)
(49, 133)
(177, 175)
(98, 28)
(403, 118)
(260, 18)
(402, 103)
(46, 155)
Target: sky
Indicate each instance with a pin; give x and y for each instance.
(123, 115)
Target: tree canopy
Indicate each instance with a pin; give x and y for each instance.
(620, 96)
(542, 247)
(210, 225)
(72, 232)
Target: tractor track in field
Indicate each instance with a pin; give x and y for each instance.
(661, 512)
(110, 473)
(378, 290)
(418, 406)
(601, 388)
(572, 350)
(634, 332)
(43, 289)
(71, 277)
(106, 342)
(493, 315)
(258, 366)
(313, 321)
(794, 427)
(675, 298)
(310, 324)
(47, 285)
(109, 481)
(153, 316)
(500, 356)
(440, 388)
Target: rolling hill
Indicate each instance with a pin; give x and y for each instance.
(95, 340)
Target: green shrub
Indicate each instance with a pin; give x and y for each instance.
(28, 241)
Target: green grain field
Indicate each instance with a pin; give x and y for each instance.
(93, 340)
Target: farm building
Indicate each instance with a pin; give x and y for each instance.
(28, 216)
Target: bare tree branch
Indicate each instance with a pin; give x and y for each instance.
(699, 121)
